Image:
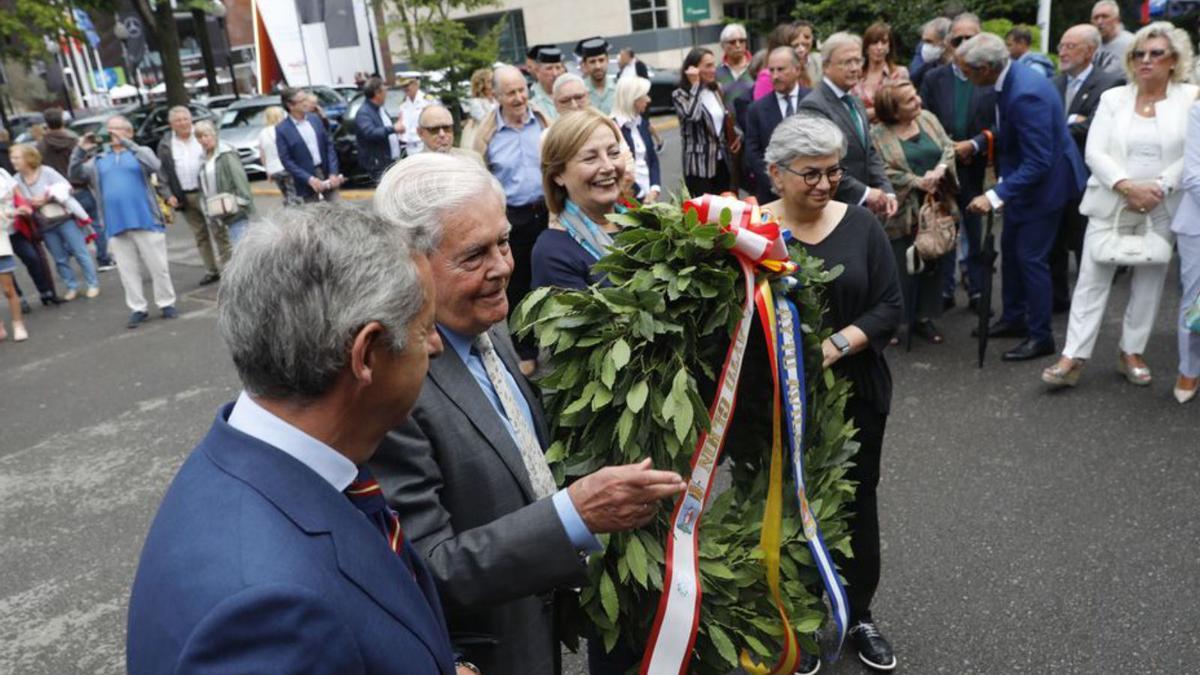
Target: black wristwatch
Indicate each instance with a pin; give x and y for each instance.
(840, 341)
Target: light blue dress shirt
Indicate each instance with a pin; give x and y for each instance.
(577, 531)
(514, 156)
(252, 419)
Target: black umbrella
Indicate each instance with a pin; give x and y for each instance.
(988, 260)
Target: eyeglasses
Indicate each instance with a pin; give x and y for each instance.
(439, 129)
(850, 62)
(959, 39)
(812, 177)
(1154, 54)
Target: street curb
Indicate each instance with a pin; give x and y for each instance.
(662, 124)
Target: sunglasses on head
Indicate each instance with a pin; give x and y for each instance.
(1155, 54)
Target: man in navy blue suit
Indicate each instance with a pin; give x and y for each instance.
(272, 551)
(1040, 170)
(306, 149)
(378, 137)
(767, 112)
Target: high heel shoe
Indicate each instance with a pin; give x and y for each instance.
(1058, 376)
(1137, 375)
(19, 332)
(1185, 388)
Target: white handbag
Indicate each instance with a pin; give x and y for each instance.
(223, 204)
(1129, 245)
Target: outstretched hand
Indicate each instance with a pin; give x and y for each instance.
(625, 497)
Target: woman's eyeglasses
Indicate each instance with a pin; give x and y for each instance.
(813, 176)
(1154, 54)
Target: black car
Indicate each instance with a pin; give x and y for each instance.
(149, 121)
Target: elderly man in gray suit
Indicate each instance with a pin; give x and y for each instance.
(467, 473)
(865, 182)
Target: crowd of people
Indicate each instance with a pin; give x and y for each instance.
(883, 169)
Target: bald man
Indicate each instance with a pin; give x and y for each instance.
(435, 127)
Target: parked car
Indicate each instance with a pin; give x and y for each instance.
(219, 103)
(332, 102)
(348, 91)
(149, 121)
(662, 82)
(240, 125)
(345, 142)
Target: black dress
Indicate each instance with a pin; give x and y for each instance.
(867, 295)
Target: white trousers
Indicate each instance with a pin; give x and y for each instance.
(1091, 298)
(132, 248)
(1189, 275)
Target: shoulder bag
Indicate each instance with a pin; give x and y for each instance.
(937, 231)
(221, 204)
(51, 215)
(1130, 245)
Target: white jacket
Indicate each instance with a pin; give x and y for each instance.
(1106, 149)
(1187, 217)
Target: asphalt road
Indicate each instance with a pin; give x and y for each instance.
(1024, 531)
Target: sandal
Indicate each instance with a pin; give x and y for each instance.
(1134, 368)
(1058, 375)
(928, 331)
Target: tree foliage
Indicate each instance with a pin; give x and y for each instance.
(906, 16)
(631, 369)
(435, 42)
(24, 25)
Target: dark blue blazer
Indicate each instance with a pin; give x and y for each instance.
(254, 564)
(1039, 165)
(296, 158)
(651, 152)
(371, 136)
(937, 95)
(761, 119)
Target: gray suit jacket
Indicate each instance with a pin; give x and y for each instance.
(456, 478)
(864, 167)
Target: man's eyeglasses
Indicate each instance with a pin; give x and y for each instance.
(851, 62)
(813, 176)
(1154, 54)
(439, 129)
(959, 39)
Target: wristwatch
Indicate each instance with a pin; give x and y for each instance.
(840, 342)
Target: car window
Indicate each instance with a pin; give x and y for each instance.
(199, 113)
(244, 117)
(327, 96)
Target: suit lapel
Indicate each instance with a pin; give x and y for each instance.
(847, 122)
(450, 374)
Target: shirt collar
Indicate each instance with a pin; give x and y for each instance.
(461, 344)
(958, 72)
(829, 83)
(501, 122)
(795, 90)
(1082, 76)
(252, 419)
(999, 86)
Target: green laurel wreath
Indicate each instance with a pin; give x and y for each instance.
(631, 370)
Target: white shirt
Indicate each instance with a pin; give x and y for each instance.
(1143, 149)
(269, 151)
(782, 99)
(252, 419)
(410, 112)
(716, 109)
(641, 170)
(309, 136)
(629, 70)
(393, 139)
(188, 157)
(1075, 82)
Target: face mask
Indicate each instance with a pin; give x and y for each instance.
(930, 53)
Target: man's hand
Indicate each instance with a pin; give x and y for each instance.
(965, 151)
(618, 498)
(980, 205)
(890, 205)
(172, 202)
(337, 180)
(316, 184)
(398, 127)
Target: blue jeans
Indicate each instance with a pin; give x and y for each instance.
(236, 229)
(66, 242)
(88, 201)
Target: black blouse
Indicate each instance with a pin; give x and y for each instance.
(866, 294)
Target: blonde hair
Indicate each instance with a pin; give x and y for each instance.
(1177, 38)
(480, 79)
(273, 115)
(28, 153)
(560, 145)
(629, 90)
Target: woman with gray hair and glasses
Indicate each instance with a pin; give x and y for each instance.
(863, 313)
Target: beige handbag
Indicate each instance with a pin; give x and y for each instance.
(223, 204)
(937, 231)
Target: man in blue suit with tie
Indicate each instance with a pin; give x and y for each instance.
(767, 112)
(306, 149)
(1040, 170)
(272, 551)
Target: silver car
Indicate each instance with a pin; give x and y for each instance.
(241, 124)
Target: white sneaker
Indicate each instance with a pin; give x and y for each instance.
(91, 292)
(71, 295)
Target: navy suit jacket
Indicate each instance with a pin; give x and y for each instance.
(651, 154)
(296, 158)
(1039, 165)
(371, 135)
(761, 119)
(255, 563)
(937, 94)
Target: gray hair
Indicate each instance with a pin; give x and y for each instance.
(1108, 4)
(301, 283)
(176, 109)
(940, 24)
(1088, 33)
(421, 191)
(804, 136)
(966, 17)
(205, 127)
(1177, 38)
(984, 51)
(504, 70)
(837, 41)
(562, 80)
(121, 120)
(795, 56)
(733, 31)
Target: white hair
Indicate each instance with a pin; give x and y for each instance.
(179, 110)
(562, 80)
(984, 50)
(1089, 34)
(837, 41)
(967, 17)
(733, 31)
(1108, 4)
(804, 136)
(504, 70)
(938, 23)
(1177, 38)
(629, 90)
(418, 193)
(301, 283)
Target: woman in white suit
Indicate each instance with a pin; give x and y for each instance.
(1135, 152)
(1186, 227)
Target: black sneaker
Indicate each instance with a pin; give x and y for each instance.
(106, 265)
(871, 646)
(210, 278)
(810, 663)
(169, 312)
(136, 319)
